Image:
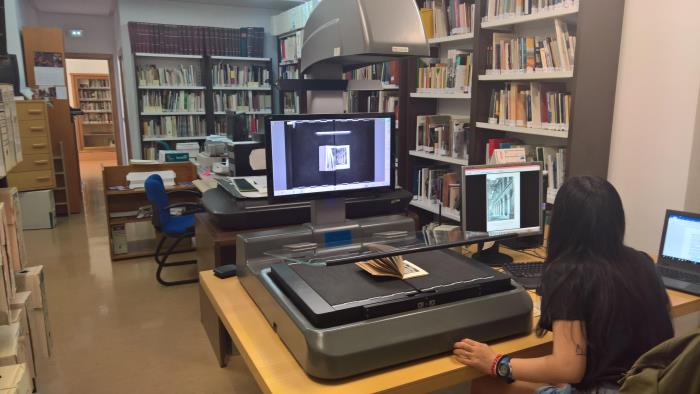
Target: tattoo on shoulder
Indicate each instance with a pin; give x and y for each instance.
(580, 351)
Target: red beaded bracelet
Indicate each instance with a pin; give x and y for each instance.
(495, 363)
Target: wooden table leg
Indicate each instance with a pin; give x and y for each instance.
(218, 336)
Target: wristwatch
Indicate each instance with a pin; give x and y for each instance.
(503, 370)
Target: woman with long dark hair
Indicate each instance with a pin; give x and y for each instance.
(602, 300)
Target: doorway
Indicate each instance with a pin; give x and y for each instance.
(91, 89)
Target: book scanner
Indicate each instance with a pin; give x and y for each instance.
(336, 319)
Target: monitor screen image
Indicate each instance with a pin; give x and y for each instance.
(313, 154)
(502, 198)
(682, 242)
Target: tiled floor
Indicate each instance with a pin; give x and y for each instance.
(115, 329)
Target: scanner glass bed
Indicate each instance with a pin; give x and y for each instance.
(330, 290)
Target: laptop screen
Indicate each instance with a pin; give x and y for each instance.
(682, 241)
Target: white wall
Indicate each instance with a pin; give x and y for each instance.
(83, 66)
(656, 110)
(184, 13)
(98, 35)
(18, 13)
(692, 198)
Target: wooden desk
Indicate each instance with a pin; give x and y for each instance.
(276, 370)
(128, 201)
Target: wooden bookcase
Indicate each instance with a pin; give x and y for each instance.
(295, 103)
(118, 202)
(597, 25)
(210, 121)
(93, 94)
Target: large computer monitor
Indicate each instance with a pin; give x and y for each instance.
(503, 198)
(328, 155)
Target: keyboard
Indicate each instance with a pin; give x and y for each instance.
(528, 274)
(678, 274)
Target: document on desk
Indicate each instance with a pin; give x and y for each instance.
(258, 183)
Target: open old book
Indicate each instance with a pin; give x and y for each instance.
(394, 266)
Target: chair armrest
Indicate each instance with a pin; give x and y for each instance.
(196, 193)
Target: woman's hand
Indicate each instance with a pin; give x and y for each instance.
(475, 354)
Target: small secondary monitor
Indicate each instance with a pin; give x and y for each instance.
(681, 239)
(503, 198)
(329, 155)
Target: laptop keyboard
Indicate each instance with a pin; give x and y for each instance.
(678, 275)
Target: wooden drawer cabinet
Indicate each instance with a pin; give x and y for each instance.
(31, 110)
(31, 180)
(34, 145)
(33, 128)
(34, 163)
(35, 171)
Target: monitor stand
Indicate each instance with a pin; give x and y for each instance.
(327, 212)
(491, 256)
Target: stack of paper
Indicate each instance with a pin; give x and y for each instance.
(138, 179)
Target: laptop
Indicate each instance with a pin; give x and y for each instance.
(679, 255)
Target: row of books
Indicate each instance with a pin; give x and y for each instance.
(509, 150)
(94, 94)
(174, 126)
(290, 46)
(196, 40)
(243, 102)
(383, 102)
(290, 103)
(499, 9)
(96, 106)
(443, 135)
(510, 53)
(438, 184)
(289, 71)
(181, 75)
(172, 101)
(255, 124)
(534, 105)
(371, 101)
(93, 83)
(443, 18)
(447, 74)
(250, 75)
(99, 118)
(387, 72)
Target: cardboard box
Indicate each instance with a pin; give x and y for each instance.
(43, 212)
(32, 279)
(5, 291)
(13, 213)
(40, 331)
(9, 344)
(14, 379)
(19, 311)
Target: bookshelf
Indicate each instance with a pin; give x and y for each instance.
(188, 77)
(452, 38)
(524, 130)
(521, 76)
(93, 96)
(443, 101)
(438, 95)
(590, 83)
(435, 208)
(289, 67)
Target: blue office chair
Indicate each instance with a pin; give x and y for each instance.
(170, 226)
